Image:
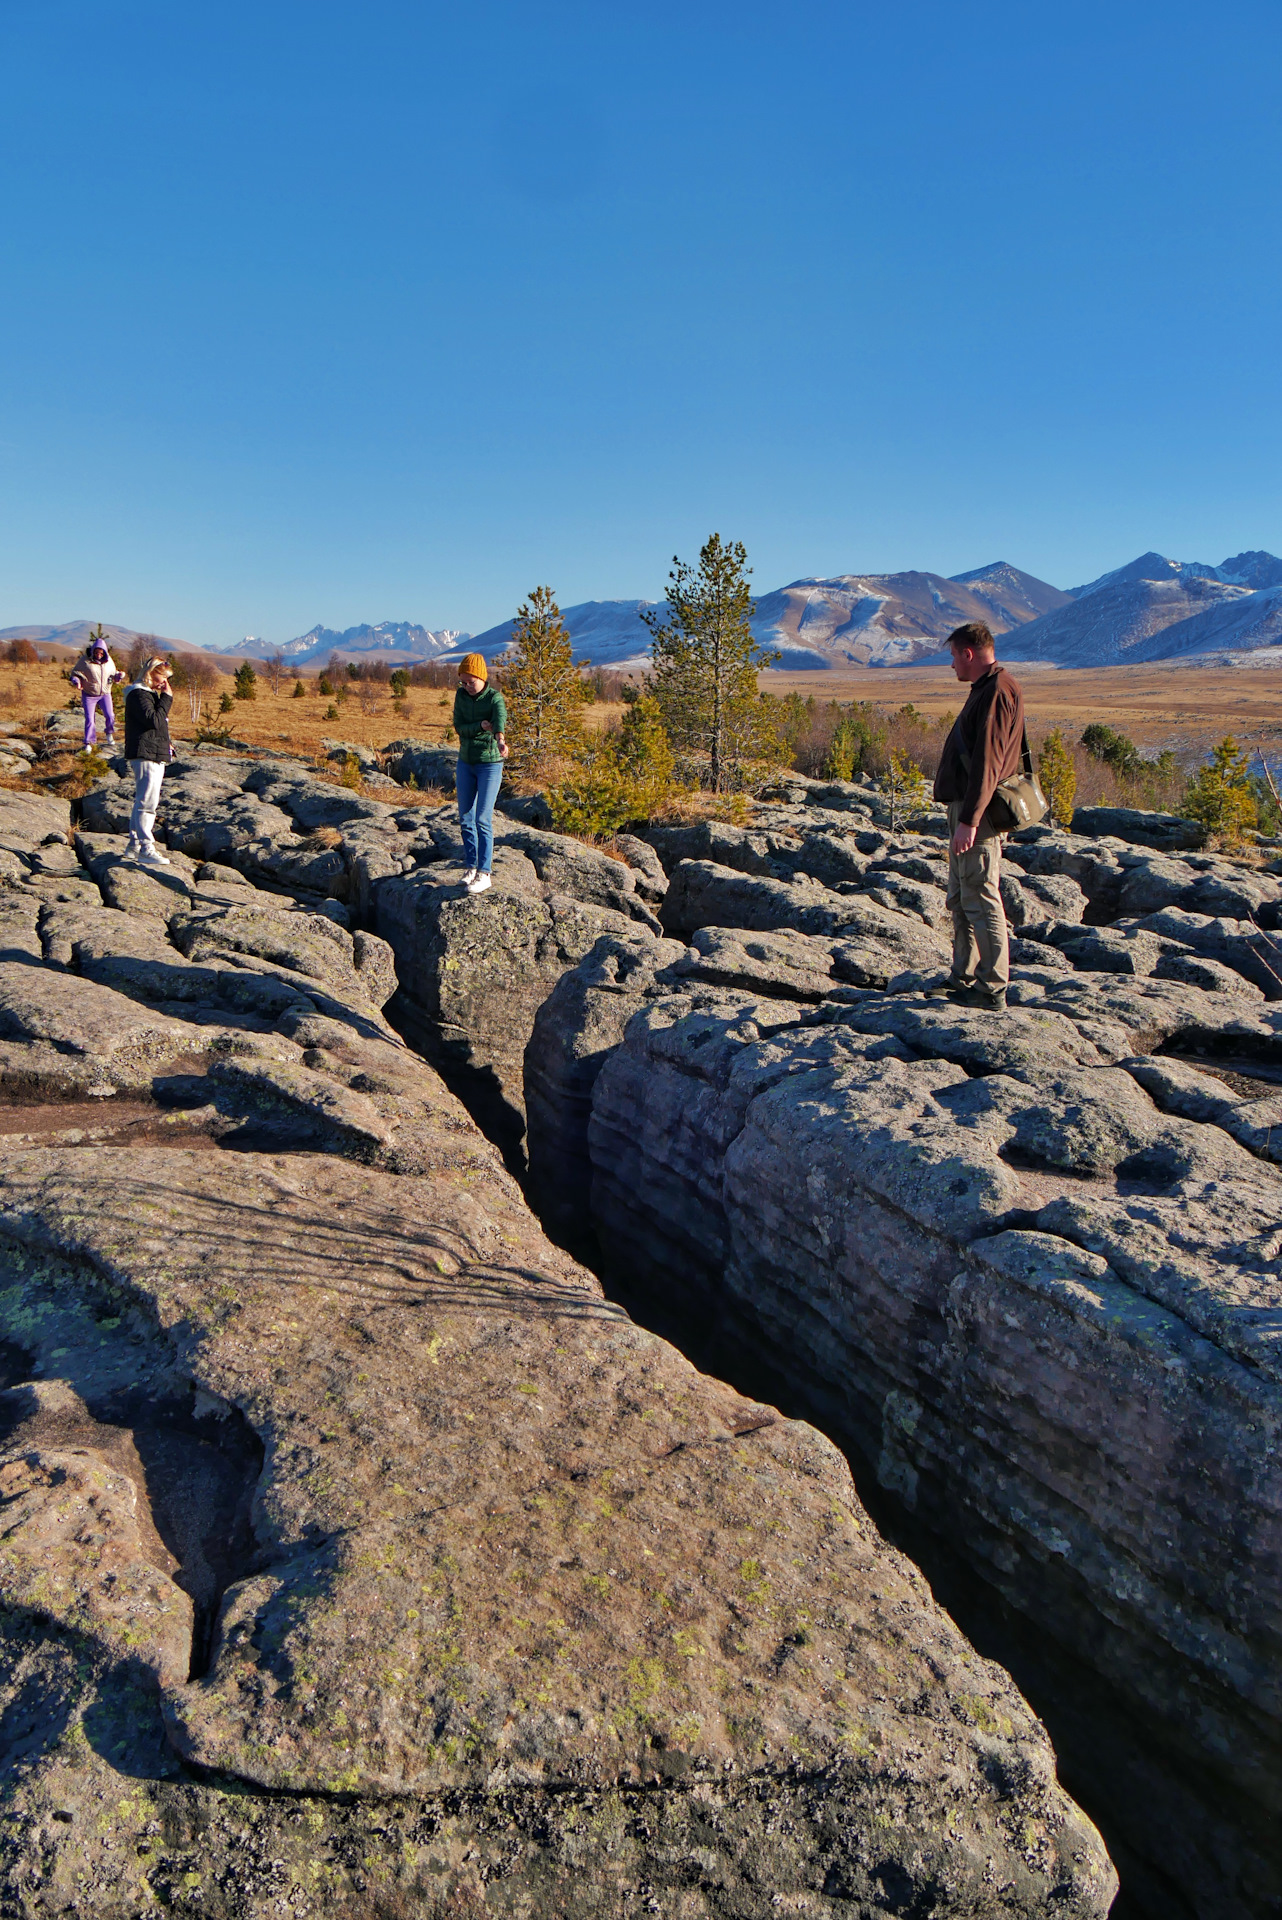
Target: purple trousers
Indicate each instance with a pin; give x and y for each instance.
(91, 702)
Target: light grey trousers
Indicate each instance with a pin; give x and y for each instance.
(148, 775)
(981, 940)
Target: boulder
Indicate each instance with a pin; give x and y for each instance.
(717, 840)
(1195, 970)
(1165, 831)
(425, 762)
(1244, 949)
(650, 879)
(584, 873)
(1106, 949)
(28, 819)
(881, 941)
(1212, 887)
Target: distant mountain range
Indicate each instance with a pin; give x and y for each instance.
(608, 633)
(1159, 609)
(398, 642)
(892, 619)
(1152, 609)
(75, 634)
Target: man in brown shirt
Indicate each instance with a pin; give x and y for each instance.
(984, 747)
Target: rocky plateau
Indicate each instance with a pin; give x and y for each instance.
(362, 1556)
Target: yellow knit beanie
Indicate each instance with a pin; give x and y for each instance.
(474, 663)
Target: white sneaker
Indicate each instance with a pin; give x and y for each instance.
(479, 884)
(153, 857)
(469, 876)
(132, 849)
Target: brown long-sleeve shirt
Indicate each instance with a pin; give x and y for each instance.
(989, 730)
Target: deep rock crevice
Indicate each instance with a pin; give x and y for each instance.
(939, 1237)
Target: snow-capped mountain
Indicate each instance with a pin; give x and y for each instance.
(1254, 571)
(607, 633)
(1153, 609)
(892, 619)
(1242, 625)
(1012, 598)
(399, 642)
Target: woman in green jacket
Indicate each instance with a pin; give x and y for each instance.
(480, 721)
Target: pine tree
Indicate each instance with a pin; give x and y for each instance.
(1220, 797)
(706, 661)
(1058, 777)
(246, 682)
(542, 687)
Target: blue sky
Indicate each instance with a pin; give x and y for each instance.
(320, 312)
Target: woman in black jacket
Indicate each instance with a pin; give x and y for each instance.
(148, 752)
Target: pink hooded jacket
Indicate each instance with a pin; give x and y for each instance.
(95, 676)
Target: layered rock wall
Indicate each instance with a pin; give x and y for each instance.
(1027, 1267)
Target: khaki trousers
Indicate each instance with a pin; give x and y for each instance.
(981, 943)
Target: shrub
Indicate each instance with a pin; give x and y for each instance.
(1113, 748)
(246, 687)
(325, 685)
(300, 691)
(225, 704)
(400, 683)
(618, 777)
(331, 712)
(1058, 776)
(1220, 796)
(351, 773)
(905, 787)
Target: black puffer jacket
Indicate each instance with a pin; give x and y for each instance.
(147, 724)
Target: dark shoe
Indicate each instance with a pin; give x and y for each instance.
(949, 989)
(980, 998)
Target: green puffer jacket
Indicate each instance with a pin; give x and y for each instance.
(477, 748)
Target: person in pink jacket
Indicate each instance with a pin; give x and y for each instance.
(93, 676)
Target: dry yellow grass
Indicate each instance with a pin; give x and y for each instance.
(1162, 706)
(272, 720)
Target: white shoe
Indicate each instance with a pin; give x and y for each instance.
(480, 884)
(469, 876)
(153, 857)
(132, 849)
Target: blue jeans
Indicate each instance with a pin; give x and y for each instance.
(478, 789)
